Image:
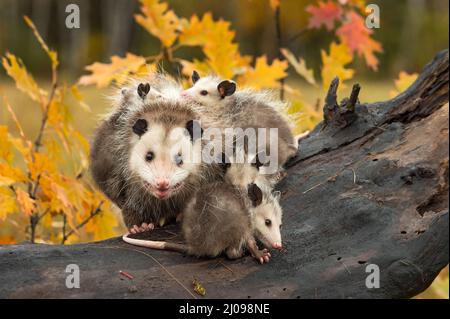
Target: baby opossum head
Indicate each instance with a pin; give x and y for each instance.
(209, 90)
(266, 214)
(165, 150)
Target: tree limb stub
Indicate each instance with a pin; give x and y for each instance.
(368, 187)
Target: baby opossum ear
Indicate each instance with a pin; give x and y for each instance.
(254, 194)
(195, 76)
(143, 90)
(226, 88)
(140, 127)
(194, 129)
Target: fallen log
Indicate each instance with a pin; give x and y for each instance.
(367, 192)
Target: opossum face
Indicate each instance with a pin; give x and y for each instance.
(209, 90)
(164, 158)
(267, 215)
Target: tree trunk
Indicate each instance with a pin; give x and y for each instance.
(368, 191)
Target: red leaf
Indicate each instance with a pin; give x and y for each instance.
(325, 13)
(356, 35)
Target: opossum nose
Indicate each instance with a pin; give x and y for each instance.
(184, 93)
(162, 184)
(277, 245)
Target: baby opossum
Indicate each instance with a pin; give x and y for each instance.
(142, 158)
(221, 106)
(223, 218)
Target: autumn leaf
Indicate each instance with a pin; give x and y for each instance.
(159, 21)
(264, 75)
(7, 203)
(216, 40)
(334, 64)
(198, 287)
(356, 36)
(274, 4)
(25, 202)
(403, 82)
(53, 55)
(10, 175)
(325, 13)
(24, 81)
(79, 98)
(118, 70)
(5, 145)
(299, 66)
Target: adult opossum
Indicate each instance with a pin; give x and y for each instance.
(146, 158)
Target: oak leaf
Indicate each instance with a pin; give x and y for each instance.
(299, 66)
(325, 13)
(264, 75)
(25, 202)
(334, 64)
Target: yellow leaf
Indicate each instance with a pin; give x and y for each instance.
(264, 75)
(274, 4)
(25, 202)
(10, 175)
(40, 164)
(53, 55)
(159, 21)
(216, 40)
(334, 64)
(403, 82)
(299, 66)
(24, 81)
(79, 97)
(5, 145)
(198, 287)
(7, 203)
(118, 70)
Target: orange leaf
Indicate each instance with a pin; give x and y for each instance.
(264, 75)
(5, 145)
(159, 21)
(25, 202)
(24, 81)
(118, 70)
(10, 175)
(325, 13)
(7, 203)
(334, 64)
(403, 82)
(356, 36)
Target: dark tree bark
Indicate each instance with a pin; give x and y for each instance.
(369, 186)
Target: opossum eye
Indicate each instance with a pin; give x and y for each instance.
(178, 159)
(204, 92)
(149, 156)
(268, 222)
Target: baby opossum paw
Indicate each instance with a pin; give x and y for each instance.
(144, 227)
(263, 256)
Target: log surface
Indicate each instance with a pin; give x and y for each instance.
(369, 186)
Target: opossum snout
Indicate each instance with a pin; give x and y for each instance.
(162, 184)
(184, 93)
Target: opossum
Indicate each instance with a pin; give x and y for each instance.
(143, 159)
(221, 106)
(224, 218)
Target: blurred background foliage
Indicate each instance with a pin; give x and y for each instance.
(411, 33)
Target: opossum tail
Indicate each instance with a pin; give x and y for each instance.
(154, 244)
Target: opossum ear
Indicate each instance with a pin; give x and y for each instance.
(140, 127)
(143, 90)
(226, 88)
(254, 194)
(194, 129)
(195, 76)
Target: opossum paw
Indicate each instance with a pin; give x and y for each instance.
(140, 229)
(263, 256)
